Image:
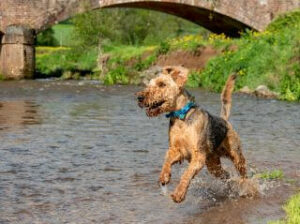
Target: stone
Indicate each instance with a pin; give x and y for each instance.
(245, 90)
(149, 74)
(17, 55)
(264, 92)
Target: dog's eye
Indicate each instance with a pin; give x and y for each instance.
(161, 84)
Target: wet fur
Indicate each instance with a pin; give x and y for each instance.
(201, 138)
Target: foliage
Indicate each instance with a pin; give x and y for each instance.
(119, 75)
(63, 33)
(143, 64)
(270, 57)
(289, 20)
(292, 209)
(47, 38)
(271, 175)
(163, 48)
(129, 27)
(57, 61)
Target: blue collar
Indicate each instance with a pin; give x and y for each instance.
(181, 113)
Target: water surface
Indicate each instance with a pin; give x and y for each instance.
(80, 152)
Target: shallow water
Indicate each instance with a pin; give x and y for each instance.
(80, 152)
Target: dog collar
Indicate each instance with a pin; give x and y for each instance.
(182, 112)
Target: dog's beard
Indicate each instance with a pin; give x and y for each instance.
(153, 112)
(155, 108)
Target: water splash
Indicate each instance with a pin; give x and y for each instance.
(206, 187)
(164, 189)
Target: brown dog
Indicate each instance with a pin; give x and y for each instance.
(194, 134)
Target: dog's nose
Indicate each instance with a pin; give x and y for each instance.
(140, 98)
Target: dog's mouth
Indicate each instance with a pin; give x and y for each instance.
(153, 109)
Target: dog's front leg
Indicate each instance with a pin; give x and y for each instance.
(196, 164)
(172, 156)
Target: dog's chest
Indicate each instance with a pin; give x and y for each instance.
(181, 135)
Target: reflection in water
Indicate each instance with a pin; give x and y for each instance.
(94, 157)
(18, 113)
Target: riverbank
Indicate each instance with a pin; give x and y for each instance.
(270, 58)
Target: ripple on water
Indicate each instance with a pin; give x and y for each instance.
(93, 157)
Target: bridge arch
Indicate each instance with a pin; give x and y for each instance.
(216, 15)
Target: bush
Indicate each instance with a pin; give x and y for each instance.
(271, 58)
(163, 48)
(118, 75)
(46, 38)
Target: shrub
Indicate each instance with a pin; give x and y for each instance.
(119, 75)
(163, 48)
(46, 38)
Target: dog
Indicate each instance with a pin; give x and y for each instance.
(194, 134)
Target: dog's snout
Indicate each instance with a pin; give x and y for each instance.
(140, 98)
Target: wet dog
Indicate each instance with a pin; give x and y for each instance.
(194, 134)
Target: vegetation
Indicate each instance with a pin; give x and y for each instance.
(292, 209)
(47, 38)
(271, 58)
(271, 175)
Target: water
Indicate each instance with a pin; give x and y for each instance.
(79, 152)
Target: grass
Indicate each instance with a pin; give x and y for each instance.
(125, 52)
(270, 58)
(54, 61)
(63, 34)
(292, 209)
(271, 175)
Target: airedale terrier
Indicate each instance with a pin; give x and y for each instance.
(194, 134)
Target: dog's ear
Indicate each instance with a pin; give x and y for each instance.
(178, 73)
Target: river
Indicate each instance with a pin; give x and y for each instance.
(81, 152)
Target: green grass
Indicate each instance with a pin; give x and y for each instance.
(271, 58)
(271, 175)
(292, 209)
(124, 52)
(54, 61)
(63, 34)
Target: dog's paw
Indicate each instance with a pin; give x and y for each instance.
(178, 196)
(164, 178)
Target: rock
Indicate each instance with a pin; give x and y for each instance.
(149, 74)
(245, 90)
(264, 92)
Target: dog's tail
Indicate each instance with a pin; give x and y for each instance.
(226, 96)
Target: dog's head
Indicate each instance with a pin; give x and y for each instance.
(160, 95)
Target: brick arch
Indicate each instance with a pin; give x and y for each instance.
(211, 20)
(219, 16)
(228, 15)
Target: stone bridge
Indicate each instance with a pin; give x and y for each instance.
(21, 20)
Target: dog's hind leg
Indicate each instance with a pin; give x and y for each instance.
(173, 155)
(233, 148)
(213, 164)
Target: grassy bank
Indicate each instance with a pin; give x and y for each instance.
(271, 58)
(292, 209)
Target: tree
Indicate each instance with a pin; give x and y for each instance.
(46, 38)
